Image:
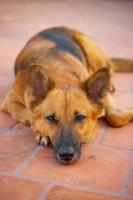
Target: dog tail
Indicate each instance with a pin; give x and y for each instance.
(122, 65)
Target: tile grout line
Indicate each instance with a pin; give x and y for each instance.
(92, 189)
(124, 150)
(77, 187)
(23, 177)
(101, 144)
(13, 125)
(102, 136)
(128, 181)
(24, 163)
(46, 190)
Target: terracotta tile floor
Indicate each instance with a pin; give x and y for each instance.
(105, 170)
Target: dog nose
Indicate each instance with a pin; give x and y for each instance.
(66, 154)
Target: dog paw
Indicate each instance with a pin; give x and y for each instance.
(42, 140)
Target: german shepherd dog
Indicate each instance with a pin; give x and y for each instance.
(63, 85)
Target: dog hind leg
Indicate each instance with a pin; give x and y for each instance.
(115, 116)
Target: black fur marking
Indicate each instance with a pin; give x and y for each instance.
(63, 40)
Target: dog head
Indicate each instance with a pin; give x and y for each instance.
(67, 115)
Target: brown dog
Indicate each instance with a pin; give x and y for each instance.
(63, 85)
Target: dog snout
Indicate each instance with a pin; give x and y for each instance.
(66, 154)
(67, 145)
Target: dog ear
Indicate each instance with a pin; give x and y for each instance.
(98, 85)
(39, 83)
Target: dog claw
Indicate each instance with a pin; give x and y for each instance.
(37, 139)
(42, 140)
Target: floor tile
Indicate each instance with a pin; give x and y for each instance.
(18, 189)
(14, 149)
(130, 187)
(123, 100)
(120, 137)
(100, 167)
(122, 81)
(6, 121)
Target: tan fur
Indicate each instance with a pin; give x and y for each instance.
(66, 95)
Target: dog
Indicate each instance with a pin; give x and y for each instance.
(63, 85)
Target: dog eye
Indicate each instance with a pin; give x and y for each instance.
(52, 118)
(79, 118)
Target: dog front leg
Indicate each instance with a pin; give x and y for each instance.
(15, 108)
(114, 115)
